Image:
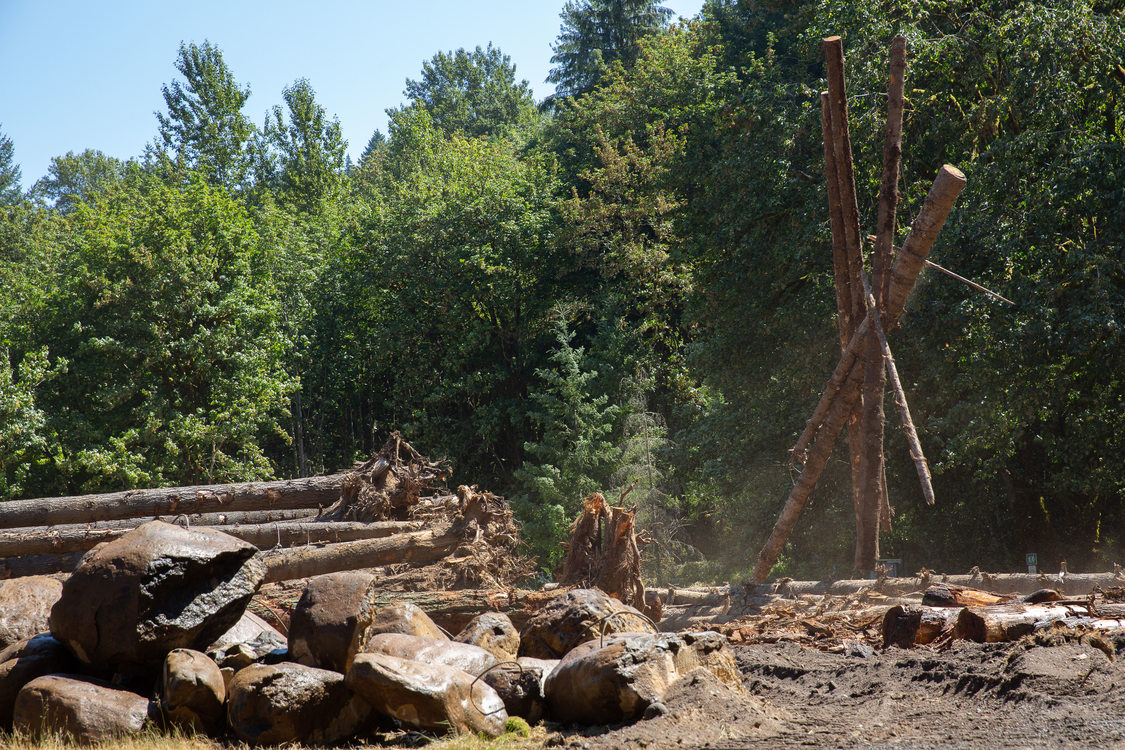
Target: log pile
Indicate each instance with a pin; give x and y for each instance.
(392, 510)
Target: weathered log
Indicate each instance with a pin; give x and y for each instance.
(1011, 622)
(71, 538)
(944, 595)
(415, 547)
(39, 565)
(310, 492)
(906, 626)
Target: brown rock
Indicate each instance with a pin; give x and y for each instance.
(615, 682)
(193, 690)
(249, 641)
(521, 689)
(22, 662)
(463, 656)
(575, 617)
(494, 632)
(157, 588)
(427, 696)
(329, 622)
(287, 702)
(405, 617)
(81, 708)
(25, 605)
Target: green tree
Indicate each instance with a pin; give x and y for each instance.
(73, 178)
(204, 129)
(302, 155)
(9, 172)
(473, 93)
(597, 33)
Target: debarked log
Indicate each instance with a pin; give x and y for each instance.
(77, 538)
(1011, 622)
(310, 492)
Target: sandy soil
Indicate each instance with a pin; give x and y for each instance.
(1055, 692)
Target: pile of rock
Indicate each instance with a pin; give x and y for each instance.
(152, 630)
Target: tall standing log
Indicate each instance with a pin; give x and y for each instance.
(845, 324)
(904, 273)
(310, 492)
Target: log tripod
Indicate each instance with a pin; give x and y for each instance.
(865, 313)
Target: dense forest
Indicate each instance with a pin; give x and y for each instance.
(626, 285)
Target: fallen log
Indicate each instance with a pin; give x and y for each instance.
(71, 538)
(310, 492)
(906, 626)
(1011, 622)
(944, 595)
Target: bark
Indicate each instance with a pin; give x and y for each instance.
(944, 595)
(311, 492)
(39, 565)
(414, 547)
(1012, 622)
(60, 539)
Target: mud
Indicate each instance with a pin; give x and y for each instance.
(1057, 691)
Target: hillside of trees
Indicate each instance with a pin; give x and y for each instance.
(626, 285)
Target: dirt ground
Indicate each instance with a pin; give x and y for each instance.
(1057, 692)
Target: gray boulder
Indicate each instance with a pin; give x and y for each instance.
(157, 588)
(281, 703)
(193, 690)
(617, 681)
(25, 605)
(327, 627)
(578, 616)
(521, 687)
(427, 696)
(83, 709)
(464, 656)
(22, 662)
(249, 641)
(494, 632)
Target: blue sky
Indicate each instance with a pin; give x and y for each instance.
(82, 74)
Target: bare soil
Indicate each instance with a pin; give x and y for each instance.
(1056, 690)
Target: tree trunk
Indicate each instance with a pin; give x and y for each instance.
(415, 547)
(907, 626)
(1012, 622)
(60, 539)
(311, 492)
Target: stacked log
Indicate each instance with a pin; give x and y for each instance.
(393, 509)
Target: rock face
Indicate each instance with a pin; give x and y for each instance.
(249, 641)
(82, 708)
(404, 617)
(157, 588)
(22, 662)
(575, 617)
(608, 684)
(193, 690)
(328, 625)
(427, 696)
(287, 702)
(463, 656)
(25, 605)
(494, 632)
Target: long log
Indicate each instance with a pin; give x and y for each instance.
(947, 185)
(1011, 622)
(305, 562)
(310, 492)
(72, 538)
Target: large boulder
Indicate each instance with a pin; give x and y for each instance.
(249, 641)
(192, 690)
(22, 662)
(405, 617)
(578, 616)
(617, 681)
(83, 709)
(427, 696)
(327, 627)
(464, 656)
(157, 588)
(274, 704)
(494, 632)
(25, 605)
